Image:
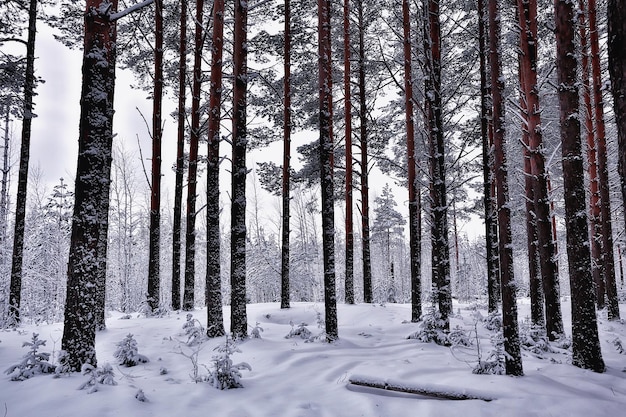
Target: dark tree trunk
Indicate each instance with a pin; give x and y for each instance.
(486, 130)
(180, 158)
(585, 342)
(213, 291)
(15, 286)
(415, 228)
(438, 199)
(154, 279)
(616, 15)
(527, 10)
(284, 272)
(192, 174)
(349, 282)
(326, 166)
(92, 186)
(509, 288)
(239, 322)
(608, 259)
(595, 223)
(365, 191)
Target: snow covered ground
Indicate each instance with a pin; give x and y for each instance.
(292, 378)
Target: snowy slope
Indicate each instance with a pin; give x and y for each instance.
(292, 378)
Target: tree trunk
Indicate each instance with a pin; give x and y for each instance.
(239, 322)
(545, 244)
(415, 229)
(326, 166)
(585, 342)
(616, 16)
(438, 198)
(180, 158)
(15, 286)
(192, 174)
(608, 259)
(509, 289)
(595, 222)
(213, 290)
(4, 192)
(347, 86)
(154, 279)
(92, 186)
(365, 191)
(486, 130)
(284, 273)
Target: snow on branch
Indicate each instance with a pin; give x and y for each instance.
(129, 10)
(431, 390)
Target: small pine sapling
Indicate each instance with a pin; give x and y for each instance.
(225, 374)
(619, 346)
(493, 322)
(533, 338)
(256, 331)
(127, 353)
(301, 331)
(432, 327)
(494, 364)
(97, 377)
(459, 337)
(33, 362)
(196, 334)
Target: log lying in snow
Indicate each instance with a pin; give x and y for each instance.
(430, 390)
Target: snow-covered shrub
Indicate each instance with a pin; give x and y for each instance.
(127, 352)
(301, 331)
(194, 331)
(459, 337)
(493, 322)
(32, 363)
(533, 338)
(141, 396)
(431, 328)
(494, 364)
(225, 374)
(619, 346)
(256, 331)
(63, 367)
(97, 377)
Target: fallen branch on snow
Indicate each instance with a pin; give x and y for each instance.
(430, 390)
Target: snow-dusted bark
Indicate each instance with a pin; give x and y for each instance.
(486, 132)
(180, 157)
(92, 185)
(527, 11)
(192, 173)
(213, 291)
(326, 166)
(347, 86)
(154, 279)
(508, 286)
(239, 325)
(617, 68)
(585, 342)
(286, 228)
(415, 229)
(434, 125)
(15, 286)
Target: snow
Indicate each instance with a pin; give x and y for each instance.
(292, 377)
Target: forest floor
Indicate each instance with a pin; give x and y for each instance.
(291, 377)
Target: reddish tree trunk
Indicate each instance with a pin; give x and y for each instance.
(213, 290)
(585, 341)
(414, 194)
(180, 158)
(154, 280)
(284, 296)
(509, 288)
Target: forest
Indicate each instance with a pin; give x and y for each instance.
(438, 185)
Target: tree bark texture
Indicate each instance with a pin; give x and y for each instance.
(213, 290)
(438, 198)
(15, 285)
(238, 316)
(286, 227)
(527, 10)
(326, 166)
(92, 186)
(415, 229)
(508, 287)
(586, 351)
(192, 174)
(154, 279)
(180, 158)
